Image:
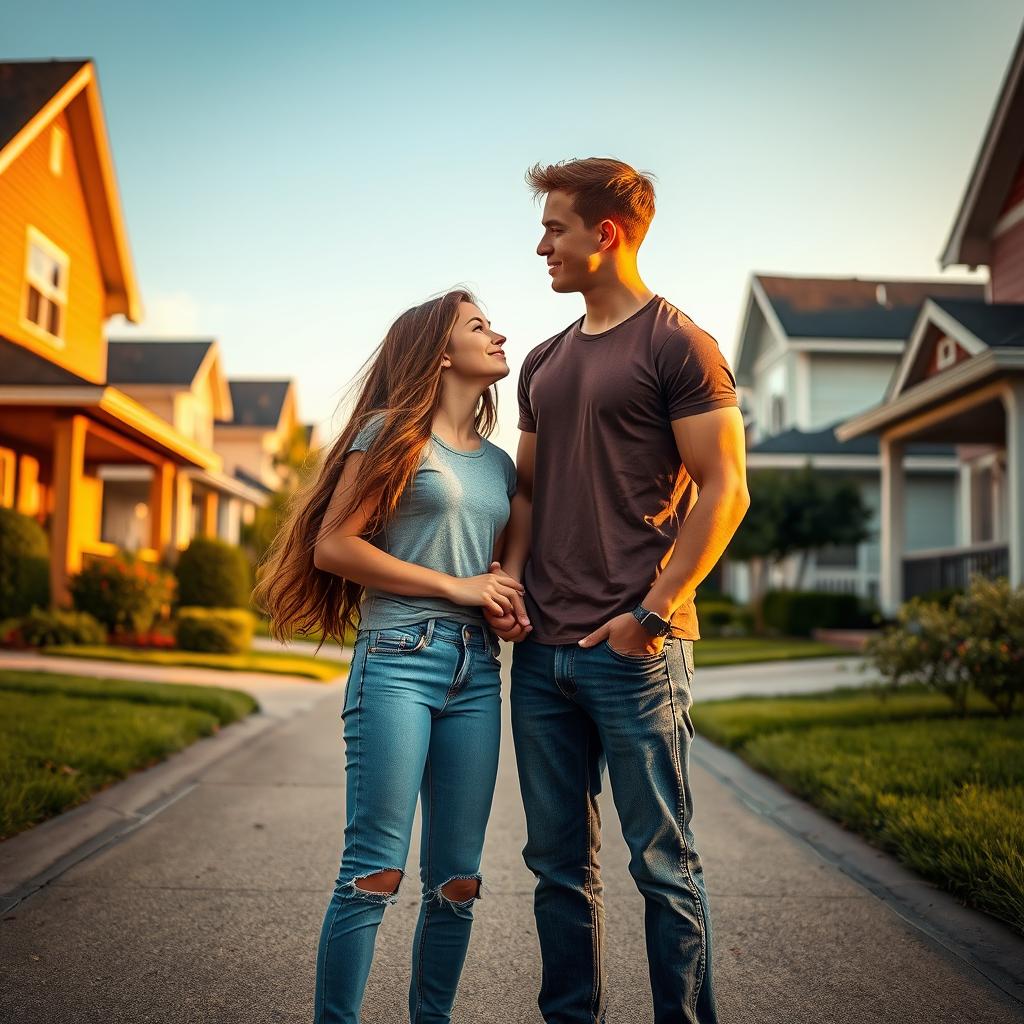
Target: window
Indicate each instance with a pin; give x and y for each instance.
(778, 413)
(46, 285)
(946, 354)
(837, 556)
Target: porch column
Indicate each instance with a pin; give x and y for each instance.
(1013, 400)
(182, 510)
(27, 501)
(161, 506)
(892, 518)
(65, 529)
(208, 523)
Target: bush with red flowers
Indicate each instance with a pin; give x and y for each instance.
(124, 593)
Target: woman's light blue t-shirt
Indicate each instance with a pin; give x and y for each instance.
(447, 519)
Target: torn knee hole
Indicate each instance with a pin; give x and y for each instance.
(461, 890)
(382, 882)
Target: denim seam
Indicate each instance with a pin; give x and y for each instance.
(426, 906)
(418, 646)
(685, 855)
(595, 937)
(463, 668)
(358, 735)
(319, 1008)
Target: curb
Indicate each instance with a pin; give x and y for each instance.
(983, 943)
(34, 858)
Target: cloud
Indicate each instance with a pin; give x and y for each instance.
(169, 314)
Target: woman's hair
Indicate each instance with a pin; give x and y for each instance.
(399, 390)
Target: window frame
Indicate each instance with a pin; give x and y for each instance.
(57, 296)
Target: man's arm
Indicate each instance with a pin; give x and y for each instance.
(711, 446)
(517, 539)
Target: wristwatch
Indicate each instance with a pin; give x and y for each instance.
(652, 621)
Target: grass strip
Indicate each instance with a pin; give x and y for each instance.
(274, 662)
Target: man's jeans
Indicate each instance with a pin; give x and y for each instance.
(573, 711)
(422, 717)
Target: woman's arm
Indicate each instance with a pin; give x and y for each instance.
(341, 550)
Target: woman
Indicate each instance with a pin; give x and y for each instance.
(399, 532)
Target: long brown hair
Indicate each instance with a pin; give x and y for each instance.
(399, 387)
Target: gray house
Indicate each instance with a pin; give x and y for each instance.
(813, 352)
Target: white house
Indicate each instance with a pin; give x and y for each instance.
(813, 351)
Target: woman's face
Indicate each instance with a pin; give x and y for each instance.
(475, 352)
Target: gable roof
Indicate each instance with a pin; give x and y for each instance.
(998, 161)
(24, 367)
(32, 94)
(977, 327)
(855, 308)
(257, 403)
(155, 362)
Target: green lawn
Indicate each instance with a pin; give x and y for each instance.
(64, 737)
(742, 650)
(278, 662)
(944, 794)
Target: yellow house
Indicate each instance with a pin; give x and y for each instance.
(65, 268)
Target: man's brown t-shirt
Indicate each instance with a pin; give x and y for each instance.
(608, 489)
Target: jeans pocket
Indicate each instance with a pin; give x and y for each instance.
(635, 659)
(398, 639)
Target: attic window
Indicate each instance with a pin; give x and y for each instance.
(46, 286)
(58, 139)
(945, 354)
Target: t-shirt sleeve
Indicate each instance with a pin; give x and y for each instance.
(368, 434)
(694, 375)
(527, 418)
(511, 476)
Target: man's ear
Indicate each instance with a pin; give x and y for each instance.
(609, 235)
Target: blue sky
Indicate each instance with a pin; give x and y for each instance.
(294, 177)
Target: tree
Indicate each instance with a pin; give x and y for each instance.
(794, 513)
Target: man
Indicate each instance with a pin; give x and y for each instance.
(631, 483)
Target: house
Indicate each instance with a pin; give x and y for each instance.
(109, 444)
(255, 441)
(65, 268)
(960, 382)
(811, 352)
(184, 382)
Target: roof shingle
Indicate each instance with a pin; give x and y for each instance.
(155, 362)
(26, 86)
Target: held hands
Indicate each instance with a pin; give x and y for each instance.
(626, 636)
(498, 594)
(512, 624)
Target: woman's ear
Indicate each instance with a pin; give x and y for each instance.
(446, 361)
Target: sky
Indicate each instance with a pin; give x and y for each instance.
(295, 176)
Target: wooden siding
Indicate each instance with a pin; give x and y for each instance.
(31, 194)
(1007, 267)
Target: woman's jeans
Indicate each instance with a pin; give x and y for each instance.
(422, 717)
(574, 711)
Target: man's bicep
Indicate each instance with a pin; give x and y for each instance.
(712, 445)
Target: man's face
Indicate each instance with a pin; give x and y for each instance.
(568, 245)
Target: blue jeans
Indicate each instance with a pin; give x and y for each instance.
(574, 711)
(422, 717)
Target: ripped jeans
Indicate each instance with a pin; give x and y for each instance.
(422, 716)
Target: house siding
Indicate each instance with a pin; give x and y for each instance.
(1007, 266)
(31, 194)
(843, 385)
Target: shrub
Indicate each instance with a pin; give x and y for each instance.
(213, 574)
(124, 593)
(42, 627)
(216, 630)
(977, 640)
(24, 564)
(800, 612)
(722, 618)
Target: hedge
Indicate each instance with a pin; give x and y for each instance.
(213, 574)
(217, 630)
(24, 564)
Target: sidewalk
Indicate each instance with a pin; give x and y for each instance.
(210, 911)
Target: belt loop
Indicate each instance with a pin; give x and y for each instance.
(429, 635)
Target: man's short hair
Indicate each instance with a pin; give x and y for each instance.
(602, 189)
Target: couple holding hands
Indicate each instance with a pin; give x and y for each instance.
(585, 553)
